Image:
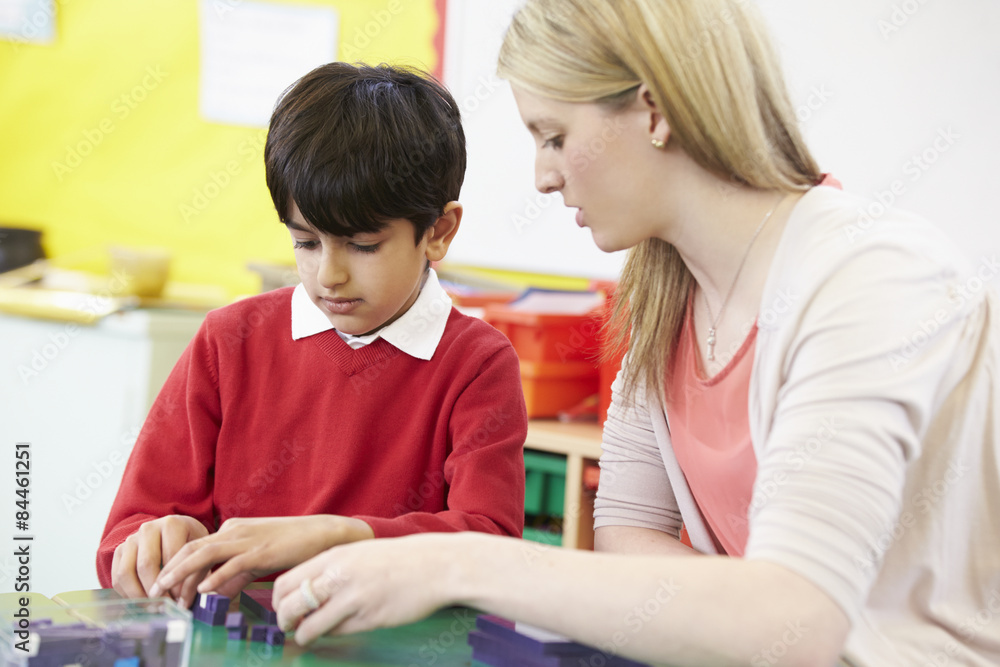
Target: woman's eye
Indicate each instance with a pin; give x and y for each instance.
(305, 245)
(365, 248)
(553, 142)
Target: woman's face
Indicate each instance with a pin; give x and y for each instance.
(597, 159)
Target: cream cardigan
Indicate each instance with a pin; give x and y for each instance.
(875, 417)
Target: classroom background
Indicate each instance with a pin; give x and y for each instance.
(135, 129)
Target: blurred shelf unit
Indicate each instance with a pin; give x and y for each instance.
(576, 446)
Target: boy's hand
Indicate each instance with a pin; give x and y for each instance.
(252, 548)
(138, 559)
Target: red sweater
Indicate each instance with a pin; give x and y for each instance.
(251, 423)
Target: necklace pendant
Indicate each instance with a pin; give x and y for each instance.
(711, 344)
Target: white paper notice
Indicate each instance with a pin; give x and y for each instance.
(252, 51)
(28, 20)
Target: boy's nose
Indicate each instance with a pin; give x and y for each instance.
(331, 272)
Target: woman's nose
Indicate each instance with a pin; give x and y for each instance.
(548, 181)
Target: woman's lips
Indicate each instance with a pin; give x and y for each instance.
(579, 217)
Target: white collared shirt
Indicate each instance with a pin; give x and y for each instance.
(416, 332)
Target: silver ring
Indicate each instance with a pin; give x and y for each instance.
(306, 589)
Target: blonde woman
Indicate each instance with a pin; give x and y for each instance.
(815, 403)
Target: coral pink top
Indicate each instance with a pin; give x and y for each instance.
(710, 431)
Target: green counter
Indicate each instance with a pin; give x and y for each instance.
(440, 640)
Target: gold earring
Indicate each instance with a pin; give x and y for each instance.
(657, 143)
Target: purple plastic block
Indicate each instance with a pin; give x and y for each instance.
(234, 619)
(152, 646)
(211, 608)
(501, 660)
(258, 601)
(494, 660)
(217, 602)
(239, 632)
(269, 634)
(210, 617)
(67, 641)
(39, 661)
(504, 631)
(275, 637)
(499, 653)
(130, 641)
(173, 655)
(110, 642)
(126, 648)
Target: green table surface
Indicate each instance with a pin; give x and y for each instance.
(440, 640)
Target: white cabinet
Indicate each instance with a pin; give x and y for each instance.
(78, 395)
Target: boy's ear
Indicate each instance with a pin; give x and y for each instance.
(442, 232)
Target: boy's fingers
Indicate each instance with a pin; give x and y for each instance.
(123, 575)
(175, 536)
(232, 587)
(196, 556)
(233, 567)
(148, 555)
(189, 588)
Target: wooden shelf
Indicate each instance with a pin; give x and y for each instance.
(579, 443)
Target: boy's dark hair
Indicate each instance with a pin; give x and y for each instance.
(357, 146)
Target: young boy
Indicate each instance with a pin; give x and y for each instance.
(359, 404)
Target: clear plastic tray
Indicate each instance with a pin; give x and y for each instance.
(158, 631)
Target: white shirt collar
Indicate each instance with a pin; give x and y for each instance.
(417, 332)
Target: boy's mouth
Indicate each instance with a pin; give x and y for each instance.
(341, 306)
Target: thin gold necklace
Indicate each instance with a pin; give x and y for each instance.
(746, 253)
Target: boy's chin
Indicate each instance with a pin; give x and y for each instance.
(349, 329)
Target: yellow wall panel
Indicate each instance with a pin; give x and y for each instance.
(101, 141)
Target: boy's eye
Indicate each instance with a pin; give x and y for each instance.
(369, 248)
(553, 142)
(305, 244)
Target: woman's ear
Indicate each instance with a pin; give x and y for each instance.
(442, 232)
(659, 130)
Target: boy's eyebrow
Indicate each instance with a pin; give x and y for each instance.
(291, 224)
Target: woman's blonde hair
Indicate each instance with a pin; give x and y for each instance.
(712, 72)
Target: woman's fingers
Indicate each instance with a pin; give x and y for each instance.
(289, 600)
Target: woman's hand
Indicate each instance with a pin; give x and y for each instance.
(375, 584)
(252, 548)
(138, 559)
